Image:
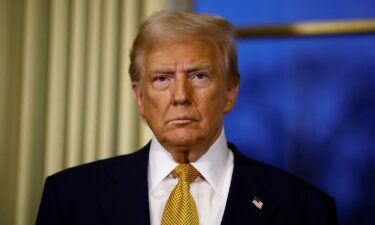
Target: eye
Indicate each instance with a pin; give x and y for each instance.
(199, 76)
(160, 78)
(200, 79)
(160, 82)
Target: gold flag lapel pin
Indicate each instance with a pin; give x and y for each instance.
(257, 202)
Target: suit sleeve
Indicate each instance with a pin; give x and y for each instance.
(49, 209)
(329, 216)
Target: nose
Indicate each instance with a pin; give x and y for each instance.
(181, 91)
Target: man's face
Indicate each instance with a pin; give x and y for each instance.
(183, 95)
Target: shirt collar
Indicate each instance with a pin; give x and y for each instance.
(212, 165)
(161, 164)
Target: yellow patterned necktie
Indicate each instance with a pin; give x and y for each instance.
(180, 208)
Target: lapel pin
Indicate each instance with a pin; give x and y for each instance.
(257, 202)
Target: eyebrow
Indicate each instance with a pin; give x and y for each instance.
(189, 69)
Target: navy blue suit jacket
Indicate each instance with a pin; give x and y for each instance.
(115, 191)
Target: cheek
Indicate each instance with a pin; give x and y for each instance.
(212, 105)
(155, 103)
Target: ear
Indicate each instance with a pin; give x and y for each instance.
(232, 91)
(137, 93)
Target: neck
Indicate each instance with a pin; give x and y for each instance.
(184, 155)
(189, 153)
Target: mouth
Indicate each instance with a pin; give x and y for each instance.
(181, 121)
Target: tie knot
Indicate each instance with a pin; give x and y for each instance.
(186, 172)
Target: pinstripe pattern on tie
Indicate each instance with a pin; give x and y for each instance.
(180, 208)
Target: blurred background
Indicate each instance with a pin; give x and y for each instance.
(306, 103)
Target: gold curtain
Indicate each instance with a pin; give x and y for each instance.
(65, 95)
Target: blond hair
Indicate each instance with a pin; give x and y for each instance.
(165, 27)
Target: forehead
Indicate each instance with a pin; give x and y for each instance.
(187, 52)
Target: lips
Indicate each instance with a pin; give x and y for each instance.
(182, 120)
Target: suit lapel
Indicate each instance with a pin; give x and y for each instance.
(125, 197)
(247, 184)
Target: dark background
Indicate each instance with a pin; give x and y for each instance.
(308, 104)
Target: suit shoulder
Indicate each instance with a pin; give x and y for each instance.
(283, 181)
(298, 201)
(95, 170)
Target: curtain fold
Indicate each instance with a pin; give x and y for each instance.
(32, 113)
(65, 93)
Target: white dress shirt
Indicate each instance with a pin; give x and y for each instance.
(210, 191)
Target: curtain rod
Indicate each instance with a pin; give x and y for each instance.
(320, 28)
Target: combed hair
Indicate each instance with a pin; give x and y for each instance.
(166, 27)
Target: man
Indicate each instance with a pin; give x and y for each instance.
(184, 79)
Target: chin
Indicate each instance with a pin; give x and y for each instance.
(182, 137)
